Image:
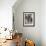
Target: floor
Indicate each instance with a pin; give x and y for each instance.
(9, 43)
(16, 41)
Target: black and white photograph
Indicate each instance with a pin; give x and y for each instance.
(28, 19)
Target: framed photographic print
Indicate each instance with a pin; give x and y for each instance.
(29, 19)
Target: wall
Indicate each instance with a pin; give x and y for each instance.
(32, 33)
(43, 22)
(6, 13)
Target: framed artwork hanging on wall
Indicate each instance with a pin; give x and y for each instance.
(28, 19)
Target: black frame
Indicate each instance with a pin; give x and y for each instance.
(33, 14)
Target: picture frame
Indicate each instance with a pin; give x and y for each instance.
(28, 19)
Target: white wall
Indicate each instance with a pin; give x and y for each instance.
(43, 22)
(6, 13)
(33, 33)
